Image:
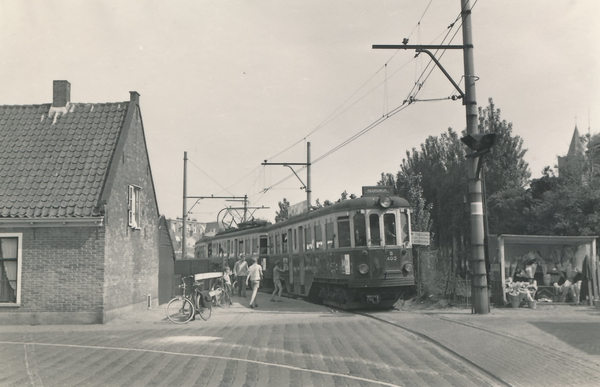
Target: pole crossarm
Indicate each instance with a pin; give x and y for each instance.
(215, 197)
(289, 166)
(419, 48)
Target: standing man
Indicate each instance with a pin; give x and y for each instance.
(240, 271)
(277, 271)
(255, 274)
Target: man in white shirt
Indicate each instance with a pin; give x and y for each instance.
(240, 271)
(255, 274)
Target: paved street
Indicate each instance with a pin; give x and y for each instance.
(294, 343)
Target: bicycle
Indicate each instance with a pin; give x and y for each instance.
(181, 309)
(220, 293)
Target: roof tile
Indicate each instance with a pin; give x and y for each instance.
(51, 169)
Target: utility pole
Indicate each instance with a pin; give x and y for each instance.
(307, 164)
(480, 290)
(184, 217)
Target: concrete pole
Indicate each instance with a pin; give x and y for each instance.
(308, 188)
(184, 217)
(480, 289)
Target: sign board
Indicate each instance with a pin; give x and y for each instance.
(203, 276)
(298, 209)
(377, 190)
(420, 238)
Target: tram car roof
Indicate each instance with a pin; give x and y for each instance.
(364, 202)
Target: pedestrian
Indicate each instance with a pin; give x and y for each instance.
(277, 270)
(240, 271)
(255, 275)
(227, 278)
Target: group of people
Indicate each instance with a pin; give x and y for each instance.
(252, 275)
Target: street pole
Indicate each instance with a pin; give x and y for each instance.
(480, 289)
(184, 217)
(308, 188)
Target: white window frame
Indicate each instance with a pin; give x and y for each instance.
(19, 237)
(133, 207)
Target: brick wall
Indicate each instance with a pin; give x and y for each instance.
(132, 255)
(61, 276)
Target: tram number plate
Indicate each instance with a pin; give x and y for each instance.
(373, 299)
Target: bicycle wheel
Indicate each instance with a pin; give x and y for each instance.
(180, 310)
(203, 310)
(224, 299)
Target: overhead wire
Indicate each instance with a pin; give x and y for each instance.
(409, 100)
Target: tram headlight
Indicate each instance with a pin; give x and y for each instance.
(385, 201)
(363, 268)
(408, 268)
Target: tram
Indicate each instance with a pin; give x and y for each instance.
(356, 253)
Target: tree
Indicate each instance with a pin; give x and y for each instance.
(438, 171)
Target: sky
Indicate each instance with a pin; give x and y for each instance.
(234, 83)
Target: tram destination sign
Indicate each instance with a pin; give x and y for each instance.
(377, 190)
(420, 238)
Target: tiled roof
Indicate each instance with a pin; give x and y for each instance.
(53, 161)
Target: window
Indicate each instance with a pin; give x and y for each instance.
(389, 226)
(10, 268)
(404, 226)
(318, 237)
(263, 244)
(271, 251)
(329, 235)
(277, 244)
(308, 241)
(284, 243)
(375, 231)
(295, 240)
(255, 245)
(134, 206)
(360, 230)
(344, 231)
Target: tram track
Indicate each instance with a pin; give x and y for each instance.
(558, 365)
(495, 378)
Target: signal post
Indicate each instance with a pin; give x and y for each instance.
(479, 287)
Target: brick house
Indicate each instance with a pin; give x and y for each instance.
(79, 219)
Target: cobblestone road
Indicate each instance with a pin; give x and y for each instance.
(299, 344)
(309, 346)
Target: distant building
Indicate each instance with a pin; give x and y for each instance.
(195, 231)
(574, 164)
(79, 219)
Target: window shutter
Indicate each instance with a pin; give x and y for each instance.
(130, 206)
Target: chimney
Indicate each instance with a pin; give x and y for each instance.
(61, 95)
(134, 96)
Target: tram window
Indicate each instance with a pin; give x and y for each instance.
(241, 249)
(284, 243)
(389, 226)
(404, 225)
(277, 244)
(308, 241)
(254, 245)
(295, 240)
(221, 250)
(271, 244)
(374, 228)
(263, 245)
(329, 235)
(248, 247)
(360, 230)
(209, 249)
(344, 231)
(318, 237)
